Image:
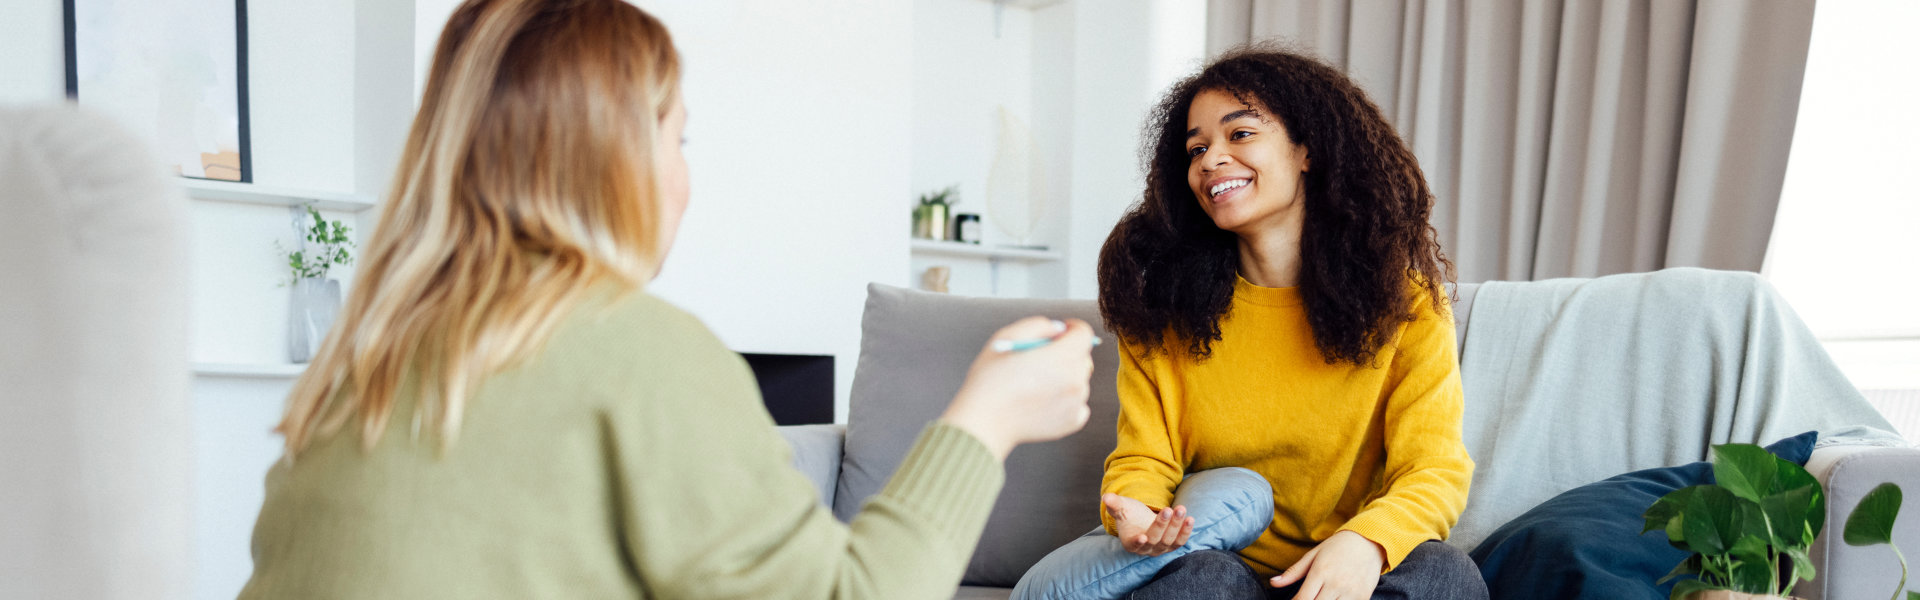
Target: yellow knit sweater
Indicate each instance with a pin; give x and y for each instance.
(1373, 449)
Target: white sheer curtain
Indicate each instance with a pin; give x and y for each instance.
(1576, 138)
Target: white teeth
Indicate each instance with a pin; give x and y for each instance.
(1226, 185)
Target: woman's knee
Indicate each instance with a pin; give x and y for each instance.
(1434, 571)
(1208, 564)
(1203, 575)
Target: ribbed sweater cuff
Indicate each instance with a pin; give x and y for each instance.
(950, 479)
(1394, 531)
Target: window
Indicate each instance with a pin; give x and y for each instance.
(1847, 237)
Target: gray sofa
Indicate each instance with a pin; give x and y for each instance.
(915, 351)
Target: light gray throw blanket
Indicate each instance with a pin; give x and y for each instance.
(1570, 381)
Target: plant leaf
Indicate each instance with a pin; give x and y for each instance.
(1872, 520)
(1752, 573)
(1793, 477)
(1802, 564)
(1790, 476)
(1676, 533)
(1787, 515)
(1712, 520)
(1666, 508)
(1744, 469)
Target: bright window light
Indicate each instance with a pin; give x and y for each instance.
(1847, 237)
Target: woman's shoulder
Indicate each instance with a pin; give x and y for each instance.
(639, 329)
(1429, 303)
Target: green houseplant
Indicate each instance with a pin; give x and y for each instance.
(323, 244)
(315, 299)
(930, 216)
(1871, 523)
(1749, 532)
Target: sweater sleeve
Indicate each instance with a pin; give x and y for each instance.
(1427, 469)
(709, 505)
(1143, 465)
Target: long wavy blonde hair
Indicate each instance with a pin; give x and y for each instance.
(528, 177)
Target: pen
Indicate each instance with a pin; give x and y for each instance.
(1028, 344)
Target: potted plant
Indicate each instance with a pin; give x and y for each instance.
(315, 299)
(930, 216)
(1749, 532)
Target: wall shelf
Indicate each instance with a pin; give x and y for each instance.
(248, 193)
(965, 250)
(248, 370)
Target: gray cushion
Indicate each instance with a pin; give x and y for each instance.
(816, 453)
(915, 348)
(967, 592)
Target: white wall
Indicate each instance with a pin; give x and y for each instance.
(1125, 54)
(965, 70)
(32, 41)
(1082, 74)
(798, 134)
(301, 95)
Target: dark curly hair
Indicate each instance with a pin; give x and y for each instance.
(1367, 251)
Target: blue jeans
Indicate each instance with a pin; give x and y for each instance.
(1433, 571)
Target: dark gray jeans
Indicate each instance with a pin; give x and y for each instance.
(1433, 571)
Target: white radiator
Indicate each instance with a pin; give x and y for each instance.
(1902, 407)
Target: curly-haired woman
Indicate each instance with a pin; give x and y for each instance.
(1279, 295)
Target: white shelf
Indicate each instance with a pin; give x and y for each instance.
(248, 193)
(966, 250)
(249, 370)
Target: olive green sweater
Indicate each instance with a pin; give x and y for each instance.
(629, 458)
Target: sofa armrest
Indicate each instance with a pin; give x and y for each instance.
(1849, 472)
(816, 453)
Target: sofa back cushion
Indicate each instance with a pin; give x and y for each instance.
(915, 348)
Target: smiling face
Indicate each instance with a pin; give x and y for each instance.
(1243, 166)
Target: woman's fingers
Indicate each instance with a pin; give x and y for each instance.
(1297, 571)
(1312, 590)
(1174, 521)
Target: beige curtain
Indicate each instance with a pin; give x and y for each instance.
(1572, 138)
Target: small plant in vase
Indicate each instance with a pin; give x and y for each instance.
(930, 216)
(316, 299)
(1751, 529)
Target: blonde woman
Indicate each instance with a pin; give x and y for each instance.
(503, 411)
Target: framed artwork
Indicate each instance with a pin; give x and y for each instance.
(173, 71)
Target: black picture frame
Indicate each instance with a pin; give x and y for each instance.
(72, 44)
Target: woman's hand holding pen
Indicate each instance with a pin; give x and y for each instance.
(1034, 394)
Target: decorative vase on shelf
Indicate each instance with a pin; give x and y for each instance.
(930, 214)
(315, 299)
(310, 312)
(930, 221)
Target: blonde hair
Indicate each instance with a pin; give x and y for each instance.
(527, 178)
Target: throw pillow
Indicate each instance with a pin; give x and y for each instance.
(1230, 508)
(1586, 544)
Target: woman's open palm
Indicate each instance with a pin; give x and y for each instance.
(1145, 532)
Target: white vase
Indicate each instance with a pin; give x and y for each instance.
(310, 312)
